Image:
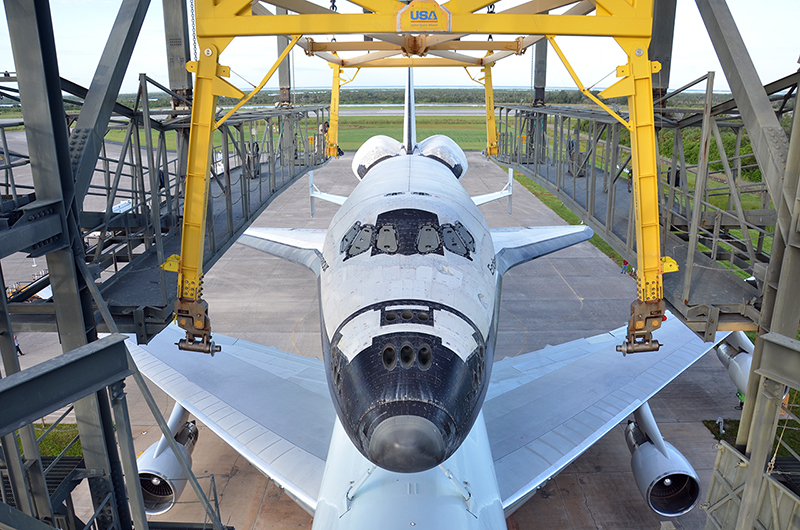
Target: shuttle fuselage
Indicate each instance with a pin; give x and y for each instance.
(409, 295)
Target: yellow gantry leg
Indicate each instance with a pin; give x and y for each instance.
(491, 127)
(333, 126)
(647, 312)
(191, 310)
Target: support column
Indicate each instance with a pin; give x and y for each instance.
(285, 69)
(491, 127)
(540, 72)
(661, 44)
(176, 34)
(28, 475)
(190, 309)
(647, 312)
(122, 421)
(89, 132)
(333, 126)
(770, 147)
(33, 44)
(767, 406)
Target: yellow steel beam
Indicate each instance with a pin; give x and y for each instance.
(488, 90)
(413, 61)
(466, 6)
(362, 46)
(648, 311)
(378, 6)
(491, 127)
(368, 58)
(477, 45)
(353, 46)
(582, 88)
(644, 157)
(333, 126)
(190, 309)
(496, 23)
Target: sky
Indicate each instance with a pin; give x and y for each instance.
(769, 29)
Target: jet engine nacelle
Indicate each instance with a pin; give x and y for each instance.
(160, 474)
(668, 482)
(736, 354)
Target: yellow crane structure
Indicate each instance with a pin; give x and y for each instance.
(424, 33)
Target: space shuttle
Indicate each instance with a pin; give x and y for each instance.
(410, 277)
(408, 420)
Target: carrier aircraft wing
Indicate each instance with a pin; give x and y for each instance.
(544, 409)
(272, 407)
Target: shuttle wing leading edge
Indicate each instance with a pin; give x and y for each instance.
(514, 246)
(299, 245)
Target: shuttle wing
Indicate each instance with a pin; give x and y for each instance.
(272, 407)
(544, 409)
(300, 245)
(517, 245)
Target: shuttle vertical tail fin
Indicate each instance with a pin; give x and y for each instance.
(410, 119)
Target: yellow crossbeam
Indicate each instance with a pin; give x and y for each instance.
(360, 23)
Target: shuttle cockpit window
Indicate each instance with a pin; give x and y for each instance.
(428, 239)
(387, 239)
(362, 242)
(349, 237)
(452, 241)
(407, 232)
(465, 236)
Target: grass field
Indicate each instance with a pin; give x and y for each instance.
(788, 430)
(58, 439)
(468, 131)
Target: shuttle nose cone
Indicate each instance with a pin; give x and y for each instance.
(406, 444)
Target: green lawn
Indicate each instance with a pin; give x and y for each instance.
(555, 204)
(58, 439)
(469, 132)
(789, 429)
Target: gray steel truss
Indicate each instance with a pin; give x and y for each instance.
(129, 219)
(576, 154)
(106, 213)
(719, 227)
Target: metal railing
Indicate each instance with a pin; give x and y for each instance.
(716, 221)
(131, 215)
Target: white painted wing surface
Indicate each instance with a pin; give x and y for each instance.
(544, 409)
(272, 407)
(517, 245)
(300, 245)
